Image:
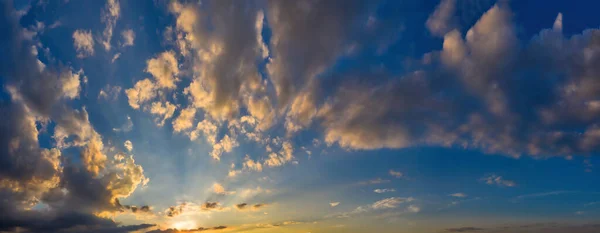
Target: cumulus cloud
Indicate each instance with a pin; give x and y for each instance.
(185, 119)
(490, 68)
(216, 87)
(83, 43)
(334, 204)
(164, 111)
(284, 156)
(128, 37)
(75, 192)
(494, 179)
(219, 189)
(439, 22)
(143, 91)
(128, 145)
(164, 68)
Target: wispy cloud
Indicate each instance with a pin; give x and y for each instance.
(494, 179)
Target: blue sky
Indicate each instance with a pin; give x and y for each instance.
(299, 116)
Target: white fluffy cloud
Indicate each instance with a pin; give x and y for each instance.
(83, 43)
(128, 37)
(128, 145)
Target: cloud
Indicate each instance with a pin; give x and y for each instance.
(545, 194)
(252, 165)
(284, 156)
(334, 204)
(494, 179)
(163, 110)
(505, 117)
(439, 22)
(293, 37)
(128, 145)
(219, 189)
(83, 43)
(200, 229)
(184, 120)
(246, 206)
(210, 206)
(126, 127)
(464, 229)
(396, 174)
(374, 181)
(109, 93)
(141, 92)
(74, 194)
(460, 195)
(164, 68)
(110, 14)
(384, 190)
(218, 89)
(128, 37)
(390, 203)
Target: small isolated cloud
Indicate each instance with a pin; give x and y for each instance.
(498, 180)
(374, 181)
(219, 189)
(83, 43)
(384, 190)
(464, 229)
(115, 57)
(128, 37)
(334, 204)
(128, 145)
(396, 174)
(126, 127)
(110, 93)
(389, 203)
(461, 195)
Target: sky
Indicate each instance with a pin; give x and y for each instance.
(349, 116)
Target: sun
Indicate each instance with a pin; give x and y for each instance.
(184, 225)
